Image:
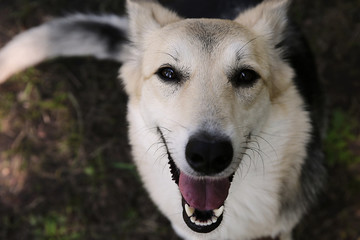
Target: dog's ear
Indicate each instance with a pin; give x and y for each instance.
(146, 16)
(268, 19)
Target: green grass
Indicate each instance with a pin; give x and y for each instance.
(56, 226)
(28, 108)
(343, 130)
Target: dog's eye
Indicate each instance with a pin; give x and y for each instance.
(168, 74)
(245, 78)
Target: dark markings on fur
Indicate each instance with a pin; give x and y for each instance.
(110, 35)
(312, 178)
(313, 173)
(228, 9)
(300, 57)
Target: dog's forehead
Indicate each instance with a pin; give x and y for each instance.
(211, 33)
(204, 35)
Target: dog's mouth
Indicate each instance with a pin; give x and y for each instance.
(202, 199)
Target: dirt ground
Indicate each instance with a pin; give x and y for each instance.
(65, 167)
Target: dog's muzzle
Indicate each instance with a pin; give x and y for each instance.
(208, 155)
(204, 195)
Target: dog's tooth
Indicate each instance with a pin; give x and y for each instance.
(193, 219)
(213, 219)
(209, 222)
(189, 210)
(219, 211)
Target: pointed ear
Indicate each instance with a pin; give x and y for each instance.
(268, 19)
(146, 16)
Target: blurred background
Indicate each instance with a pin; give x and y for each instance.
(65, 167)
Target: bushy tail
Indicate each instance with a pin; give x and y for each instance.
(77, 35)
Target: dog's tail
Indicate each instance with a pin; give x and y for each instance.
(77, 35)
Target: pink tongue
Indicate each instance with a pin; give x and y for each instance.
(204, 194)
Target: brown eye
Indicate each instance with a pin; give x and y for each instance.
(168, 74)
(244, 78)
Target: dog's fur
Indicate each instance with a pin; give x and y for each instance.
(272, 119)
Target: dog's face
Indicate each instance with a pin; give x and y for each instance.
(205, 94)
(204, 90)
(200, 89)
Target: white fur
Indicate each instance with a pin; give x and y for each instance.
(45, 42)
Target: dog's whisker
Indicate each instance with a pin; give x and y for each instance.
(163, 128)
(253, 141)
(287, 137)
(245, 154)
(239, 53)
(268, 143)
(158, 143)
(177, 123)
(260, 153)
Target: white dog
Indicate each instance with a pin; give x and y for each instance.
(231, 108)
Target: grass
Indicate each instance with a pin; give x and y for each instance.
(30, 115)
(343, 130)
(55, 226)
(71, 142)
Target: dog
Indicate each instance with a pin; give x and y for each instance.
(225, 109)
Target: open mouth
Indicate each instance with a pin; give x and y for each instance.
(202, 199)
(202, 221)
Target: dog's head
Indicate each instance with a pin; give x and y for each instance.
(200, 89)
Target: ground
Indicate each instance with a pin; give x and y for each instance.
(65, 167)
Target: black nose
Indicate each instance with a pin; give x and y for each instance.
(208, 154)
